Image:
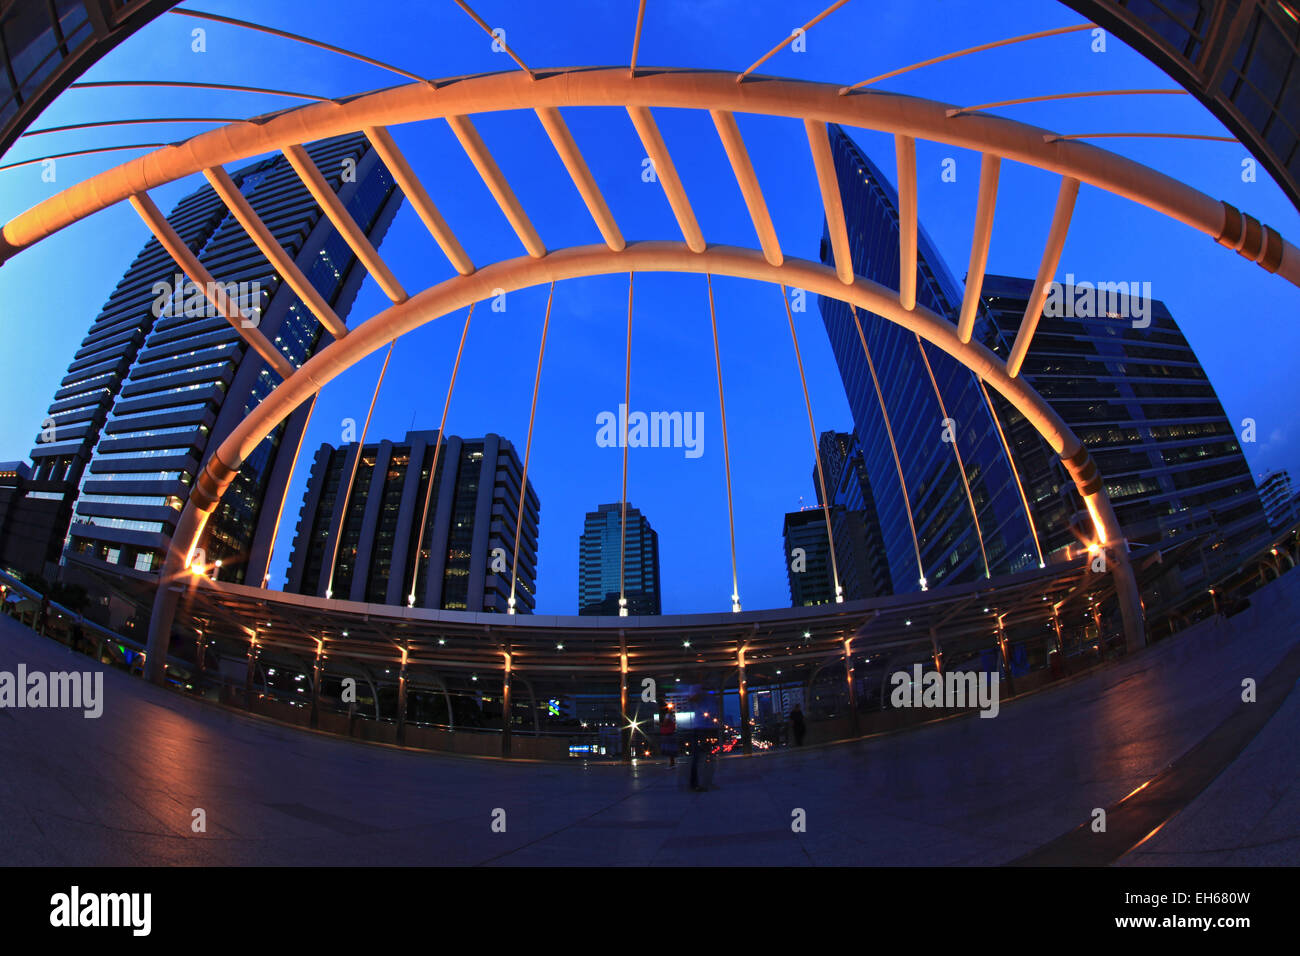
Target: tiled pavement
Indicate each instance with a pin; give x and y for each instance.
(121, 789)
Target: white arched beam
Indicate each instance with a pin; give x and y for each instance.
(667, 88)
(583, 261)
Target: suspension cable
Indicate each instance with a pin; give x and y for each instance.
(957, 454)
(347, 494)
(974, 49)
(297, 38)
(726, 450)
(889, 430)
(279, 514)
(817, 452)
(528, 450)
(627, 413)
(1024, 500)
(433, 468)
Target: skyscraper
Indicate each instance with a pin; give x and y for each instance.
(1128, 384)
(359, 544)
(165, 379)
(599, 563)
(86, 395)
(808, 555)
(1133, 392)
(948, 503)
(859, 550)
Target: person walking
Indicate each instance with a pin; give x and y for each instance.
(668, 734)
(797, 725)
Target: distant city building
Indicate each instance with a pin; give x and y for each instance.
(1281, 504)
(161, 379)
(859, 550)
(808, 555)
(1135, 394)
(599, 563)
(956, 513)
(466, 552)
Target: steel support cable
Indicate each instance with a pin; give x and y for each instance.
(528, 450)
(1024, 500)
(627, 413)
(186, 85)
(804, 29)
(495, 39)
(80, 152)
(1054, 137)
(433, 468)
(1053, 97)
(966, 52)
(817, 452)
(636, 37)
(889, 430)
(961, 467)
(279, 512)
(361, 447)
(726, 449)
(298, 38)
(102, 124)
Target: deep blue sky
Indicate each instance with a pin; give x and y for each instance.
(1240, 320)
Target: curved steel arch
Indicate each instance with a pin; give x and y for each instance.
(585, 261)
(455, 99)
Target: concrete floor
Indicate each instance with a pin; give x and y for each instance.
(120, 790)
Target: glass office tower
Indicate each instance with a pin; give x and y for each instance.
(956, 484)
(1137, 397)
(599, 563)
(358, 544)
(193, 379)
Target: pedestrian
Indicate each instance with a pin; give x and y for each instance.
(668, 734)
(797, 725)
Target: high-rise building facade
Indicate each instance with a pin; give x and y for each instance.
(1130, 387)
(162, 378)
(949, 506)
(859, 550)
(808, 555)
(600, 565)
(364, 516)
(1281, 504)
(86, 395)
